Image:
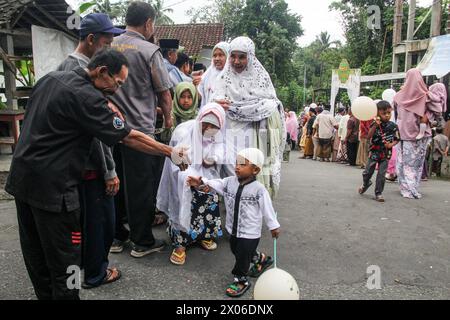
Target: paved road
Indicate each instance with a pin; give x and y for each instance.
(330, 236)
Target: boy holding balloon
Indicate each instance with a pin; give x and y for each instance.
(247, 204)
(383, 136)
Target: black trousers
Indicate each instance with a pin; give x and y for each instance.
(352, 152)
(98, 228)
(244, 251)
(140, 181)
(381, 175)
(50, 242)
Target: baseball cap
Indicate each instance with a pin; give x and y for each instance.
(98, 23)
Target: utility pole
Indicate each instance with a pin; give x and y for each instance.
(436, 18)
(304, 85)
(410, 33)
(397, 36)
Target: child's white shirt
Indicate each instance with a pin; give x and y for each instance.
(254, 205)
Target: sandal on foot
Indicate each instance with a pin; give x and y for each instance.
(208, 245)
(237, 288)
(178, 258)
(112, 275)
(260, 266)
(363, 188)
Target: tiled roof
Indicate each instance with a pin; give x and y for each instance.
(193, 37)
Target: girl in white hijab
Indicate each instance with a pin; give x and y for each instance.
(194, 215)
(219, 58)
(255, 115)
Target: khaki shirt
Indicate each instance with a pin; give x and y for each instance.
(147, 76)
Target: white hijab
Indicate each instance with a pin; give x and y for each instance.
(206, 86)
(174, 195)
(251, 92)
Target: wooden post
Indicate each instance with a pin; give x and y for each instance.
(410, 33)
(436, 18)
(398, 18)
(397, 34)
(10, 79)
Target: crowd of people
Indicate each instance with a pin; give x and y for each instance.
(125, 135)
(398, 142)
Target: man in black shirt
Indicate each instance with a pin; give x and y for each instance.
(100, 181)
(65, 112)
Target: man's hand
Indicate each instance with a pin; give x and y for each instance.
(194, 181)
(112, 186)
(180, 157)
(168, 122)
(116, 110)
(224, 103)
(275, 233)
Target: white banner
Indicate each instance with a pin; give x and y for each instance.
(353, 85)
(50, 48)
(436, 61)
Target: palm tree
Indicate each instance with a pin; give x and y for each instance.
(118, 10)
(161, 12)
(323, 40)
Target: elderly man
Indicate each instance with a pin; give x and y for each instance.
(65, 112)
(100, 182)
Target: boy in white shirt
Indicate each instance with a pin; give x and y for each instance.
(247, 201)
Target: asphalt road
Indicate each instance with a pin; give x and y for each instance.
(330, 236)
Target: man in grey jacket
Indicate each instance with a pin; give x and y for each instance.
(100, 182)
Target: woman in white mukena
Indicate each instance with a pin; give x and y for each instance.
(194, 215)
(219, 58)
(255, 116)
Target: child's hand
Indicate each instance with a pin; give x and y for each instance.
(388, 145)
(275, 233)
(204, 188)
(194, 181)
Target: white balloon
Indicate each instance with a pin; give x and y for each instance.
(276, 284)
(388, 95)
(364, 108)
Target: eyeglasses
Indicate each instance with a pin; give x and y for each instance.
(118, 83)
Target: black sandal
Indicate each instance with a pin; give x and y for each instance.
(260, 266)
(234, 290)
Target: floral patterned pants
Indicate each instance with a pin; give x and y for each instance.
(205, 221)
(410, 159)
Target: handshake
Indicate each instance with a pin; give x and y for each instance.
(180, 157)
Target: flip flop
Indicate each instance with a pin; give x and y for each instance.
(178, 258)
(109, 278)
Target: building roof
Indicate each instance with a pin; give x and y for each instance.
(193, 37)
(21, 14)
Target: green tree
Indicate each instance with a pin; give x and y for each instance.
(117, 10)
(269, 23)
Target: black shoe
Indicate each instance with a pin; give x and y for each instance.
(117, 246)
(140, 251)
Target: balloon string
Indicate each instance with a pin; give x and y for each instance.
(275, 248)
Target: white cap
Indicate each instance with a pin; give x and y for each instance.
(253, 155)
